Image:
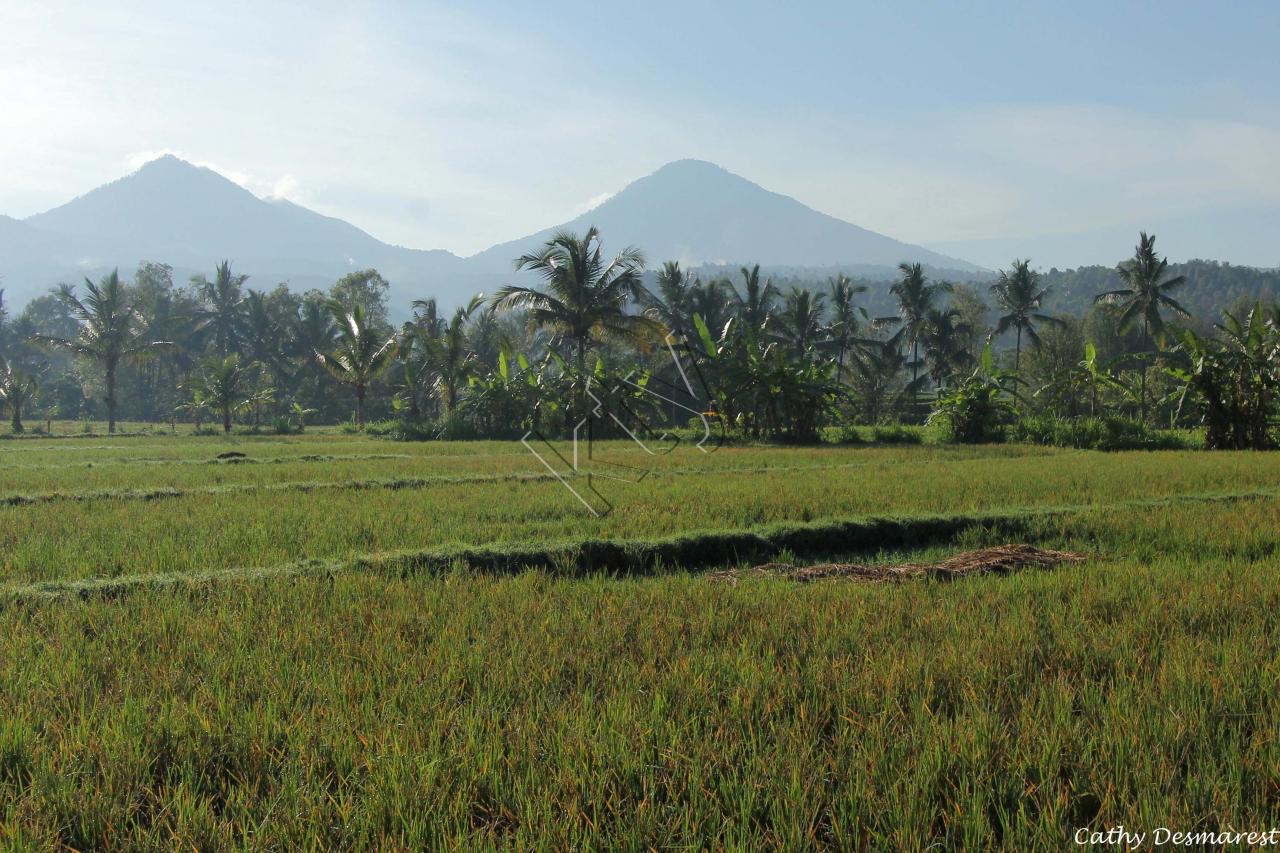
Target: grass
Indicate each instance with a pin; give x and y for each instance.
(198, 528)
(413, 687)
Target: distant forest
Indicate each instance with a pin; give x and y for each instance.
(786, 352)
(1211, 287)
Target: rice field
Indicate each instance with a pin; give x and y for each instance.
(255, 700)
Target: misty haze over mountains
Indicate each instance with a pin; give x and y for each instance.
(191, 217)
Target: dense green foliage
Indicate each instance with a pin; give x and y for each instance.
(598, 340)
(1211, 287)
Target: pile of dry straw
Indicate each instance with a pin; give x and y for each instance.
(1001, 560)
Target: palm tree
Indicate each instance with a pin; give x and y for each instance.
(916, 295)
(586, 298)
(18, 387)
(408, 385)
(757, 301)
(310, 331)
(109, 331)
(449, 357)
(875, 379)
(1019, 295)
(1145, 293)
(361, 354)
(426, 317)
(230, 386)
(262, 334)
(670, 304)
(846, 318)
(800, 320)
(946, 337)
(711, 302)
(223, 313)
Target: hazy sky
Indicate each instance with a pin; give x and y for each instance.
(1051, 129)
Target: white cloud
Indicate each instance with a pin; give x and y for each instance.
(282, 187)
(592, 203)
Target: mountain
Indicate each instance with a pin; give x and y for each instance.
(31, 259)
(191, 218)
(700, 214)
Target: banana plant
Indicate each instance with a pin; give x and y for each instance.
(18, 388)
(1088, 376)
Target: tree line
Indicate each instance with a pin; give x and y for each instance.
(776, 361)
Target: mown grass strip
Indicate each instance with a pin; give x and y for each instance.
(163, 492)
(390, 483)
(42, 436)
(247, 460)
(635, 557)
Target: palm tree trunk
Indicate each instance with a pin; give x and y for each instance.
(582, 378)
(111, 398)
(360, 406)
(1142, 382)
(17, 417)
(226, 419)
(1017, 353)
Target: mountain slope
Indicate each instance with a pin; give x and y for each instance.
(192, 217)
(698, 213)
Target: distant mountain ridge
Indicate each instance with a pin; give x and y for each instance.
(188, 216)
(192, 217)
(698, 213)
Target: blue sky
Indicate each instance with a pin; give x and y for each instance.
(987, 130)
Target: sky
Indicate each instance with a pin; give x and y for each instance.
(986, 130)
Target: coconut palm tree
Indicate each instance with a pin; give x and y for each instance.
(309, 331)
(223, 314)
(361, 353)
(846, 319)
(231, 386)
(711, 301)
(915, 295)
(585, 297)
(757, 301)
(1019, 295)
(449, 357)
(18, 387)
(946, 338)
(263, 335)
(1145, 294)
(407, 385)
(426, 317)
(671, 304)
(109, 333)
(800, 320)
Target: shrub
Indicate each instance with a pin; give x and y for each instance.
(845, 434)
(975, 412)
(978, 409)
(281, 425)
(897, 434)
(452, 427)
(1107, 432)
